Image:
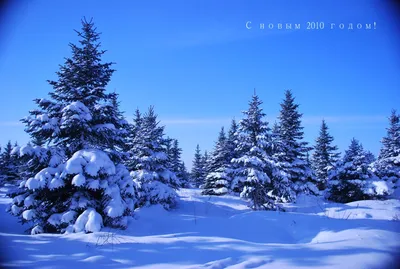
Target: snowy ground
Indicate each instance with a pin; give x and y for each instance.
(220, 232)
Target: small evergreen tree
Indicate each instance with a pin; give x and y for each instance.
(217, 179)
(232, 140)
(351, 180)
(157, 184)
(197, 173)
(325, 155)
(9, 164)
(184, 175)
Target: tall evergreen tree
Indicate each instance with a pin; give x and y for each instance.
(255, 167)
(325, 155)
(290, 153)
(217, 179)
(84, 185)
(197, 173)
(157, 183)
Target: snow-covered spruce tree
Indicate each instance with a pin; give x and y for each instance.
(157, 184)
(134, 137)
(177, 166)
(197, 172)
(205, 159)
(175, 163)
(232, 139)
(231, 144)
(85, 187)
(325, 155)
(217, 179)
(34, 158)
(184, 175)
(290, 152)
(255, 167)
(369, 157)
(351, 179)
(9, 165)
(387, 165)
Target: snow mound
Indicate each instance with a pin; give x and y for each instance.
(89, 221)
(91, 162)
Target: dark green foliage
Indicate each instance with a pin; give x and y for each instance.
(197, 173)
(325, 155)
(217, 180)
(348, 182)
(290, 153)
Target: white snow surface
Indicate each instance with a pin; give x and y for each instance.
(215, 232)
(94, 162)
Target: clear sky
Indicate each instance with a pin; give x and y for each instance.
(198, 64)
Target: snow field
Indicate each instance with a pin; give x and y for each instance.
(219, 232)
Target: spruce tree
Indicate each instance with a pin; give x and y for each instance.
(197, 172)
(9, 164)
(232, 140)
(184, 175)
(134, 137)
(391, 142)
(157, 184)
(84, 185)
(175, 153)
(217, 179)
(351, 179)
(325, 155)
(387, 165)
(290, 153)
(177, 165)
(255, 166)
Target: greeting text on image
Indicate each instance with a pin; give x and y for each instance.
(310, 25)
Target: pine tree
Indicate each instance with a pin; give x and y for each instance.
(134, 137)
(232, 140)
(325, 155)
(177, 165)
(9, 164)
(217, 179)
(391, 142)
(255, 167)
(290, 153)
(84, 186)
(197, 173)
(157, 183)
(351, 180)
(369, 157)
(176, 152)
(387, 166)
(184, 175)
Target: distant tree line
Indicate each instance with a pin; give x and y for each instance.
(272, 165)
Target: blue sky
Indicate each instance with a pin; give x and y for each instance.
(196, 62)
